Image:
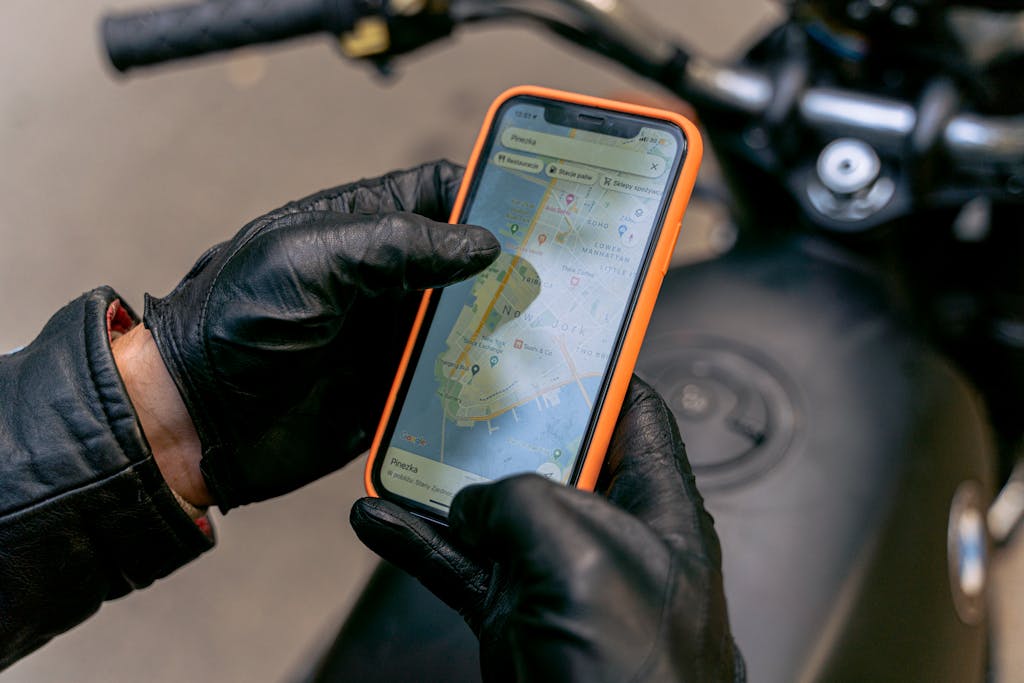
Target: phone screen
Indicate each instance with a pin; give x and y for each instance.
(511, 373)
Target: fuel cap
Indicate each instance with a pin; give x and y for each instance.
(737, 412)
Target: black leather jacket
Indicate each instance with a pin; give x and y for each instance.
(85, 515)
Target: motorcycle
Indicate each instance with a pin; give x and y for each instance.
(847, 375)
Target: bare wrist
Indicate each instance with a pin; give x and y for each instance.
(162, 414)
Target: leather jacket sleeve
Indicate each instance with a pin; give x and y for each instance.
(85, 515)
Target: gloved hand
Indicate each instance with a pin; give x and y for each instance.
(283, 342)
(562, 585)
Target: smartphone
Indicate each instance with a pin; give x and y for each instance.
(524, 367)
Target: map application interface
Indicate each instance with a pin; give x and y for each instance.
(513, 365)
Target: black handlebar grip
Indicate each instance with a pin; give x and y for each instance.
(160, 35)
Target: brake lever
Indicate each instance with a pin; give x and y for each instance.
(397, 28)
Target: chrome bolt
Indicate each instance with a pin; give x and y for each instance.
(847, 166)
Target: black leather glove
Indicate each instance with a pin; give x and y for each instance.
(284, 341)
(562, 585)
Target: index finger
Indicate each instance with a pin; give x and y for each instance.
(648, 475)
(428, 190)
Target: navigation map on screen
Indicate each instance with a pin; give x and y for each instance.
(513, 363)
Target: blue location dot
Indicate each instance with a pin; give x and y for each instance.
(494, 361)
(622, 230)
(475, 369)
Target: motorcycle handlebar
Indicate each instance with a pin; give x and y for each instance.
(213, 25)
(878, 120)
(160, 35)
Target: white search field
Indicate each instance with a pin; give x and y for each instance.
(590, 153)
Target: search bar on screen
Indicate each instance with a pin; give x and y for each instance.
(581, 151)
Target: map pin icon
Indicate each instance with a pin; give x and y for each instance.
(542, 238)
(570, 198)
(622, 230)
(475, 369)
(494, 361)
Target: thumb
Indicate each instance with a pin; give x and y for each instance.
(414, 545)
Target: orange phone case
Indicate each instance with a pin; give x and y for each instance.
(593, 459)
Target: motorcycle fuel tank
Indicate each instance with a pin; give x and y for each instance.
(830, 443)
(846, 465)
